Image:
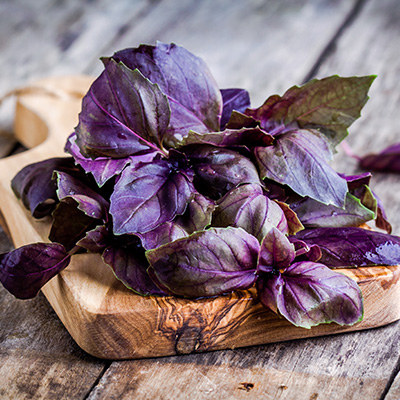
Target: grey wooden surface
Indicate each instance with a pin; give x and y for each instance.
(264, 46)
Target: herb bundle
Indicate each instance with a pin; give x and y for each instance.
(185, 190)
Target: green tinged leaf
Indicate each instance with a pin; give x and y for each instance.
(331, 105)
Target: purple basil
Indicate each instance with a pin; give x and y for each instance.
(25, 270)
(331, 104)
(207, 263)
(122, 114)
(148, 195)
(129, 265)
(308, 294)
(387, 160)
(353, 247)
(298, 159)
(249, 208)
(230, 137)
(164, 233)
(36, 188)
(104, 168)
(194, 97)
(176, 183)
(233, 100)
(219, 170)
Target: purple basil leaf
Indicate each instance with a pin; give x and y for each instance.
(220, 170)
(122, 114)
(25, 270)
(355, 181)
(293, 221)
(381, 220)
(304, 252)
(70, 223)
(164, 233)
(276, 252)
(313, 214)
(353, 247)
(387, 160)
(331, 104)
(299, 160)
(148, 195)
(95, 240)
(36, 188)
(129, 266)
(197, 215)
(193, 94)
(239, 120)
(207, 263)
(104, 168)
(233, 99)
(308, 294)
(89, 201)
(249, 137)
(249, 208)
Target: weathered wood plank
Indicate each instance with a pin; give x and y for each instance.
(46, 37)
(334, 368)
(394, 390)
(39, 358)
(263, 46)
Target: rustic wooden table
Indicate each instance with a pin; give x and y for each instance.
(264, 46)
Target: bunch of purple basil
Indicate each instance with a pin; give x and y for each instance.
(185, 190)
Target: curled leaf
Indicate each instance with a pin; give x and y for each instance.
(35, 187)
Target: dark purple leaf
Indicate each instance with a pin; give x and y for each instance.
(148, 195)
(24, 271)
(304, 252)
(36, 188)
(207, 263)
(70, 223)
(276, 252)
(193, 94)
(129, 265)
(249, 208)
(220, 170)
(313, 214)
(387, 160)
(89, 201)
(122, 114)
(197, 215)
(353, 247)
(104, 168)
(331, 104)
(298, 159)
(164, 233)
(95, 240)
(239, 120)
(381, 221)
(356, 181)
(233, 99)
(249, 137)
(308, 294)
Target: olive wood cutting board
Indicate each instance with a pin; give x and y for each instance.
(109, 321)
